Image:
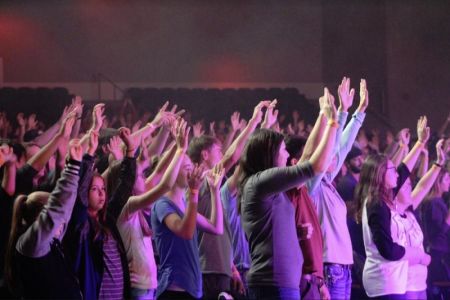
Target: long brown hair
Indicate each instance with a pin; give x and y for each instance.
(99, 223)
(371, 186)
(26, 209)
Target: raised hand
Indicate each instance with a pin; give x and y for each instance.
(423, 132)
(128, 140)
(271, 115)
(440, 153)
(164, 117)
(97, 116)
(215, 176)
(75, 150)
(93, 142)
(21, 120)
(32, 122)
(242, 124)
(66, 128)
(345, 94)
(182, 134)
(114, 148)
(363, 96)
(257, 111)
(195, 177)
(329, 109)
(77, 103)
(403, 136)
(8, 153)
(212, 130)
(197, 129)
(235, 124)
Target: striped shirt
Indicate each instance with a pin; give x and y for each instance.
(112, 283)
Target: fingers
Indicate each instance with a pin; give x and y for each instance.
(164, 107)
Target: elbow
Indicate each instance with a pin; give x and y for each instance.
(218, 230)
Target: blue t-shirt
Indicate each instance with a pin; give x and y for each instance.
(179, 258)
(241, 250)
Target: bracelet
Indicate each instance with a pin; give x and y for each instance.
(437, 164)
(333, 123)
(421, 143)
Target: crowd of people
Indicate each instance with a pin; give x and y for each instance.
(97, 207)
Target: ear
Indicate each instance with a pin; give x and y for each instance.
(293, 161)
(204, 155)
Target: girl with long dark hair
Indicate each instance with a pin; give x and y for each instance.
(267, 213)
(385, 273)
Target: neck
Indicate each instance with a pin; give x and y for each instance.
(400, 206)
(176, 194)
(93, 214)
(205, 165)
(355, 175)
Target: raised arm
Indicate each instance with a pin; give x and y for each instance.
(214, 224)
(127, 175)
(186, 226)
(9, 171)
(322, 155)
(423, 133)
(40, 159)
(234, 152)
(35, 242)
(233, 129)
(160, 168)
(402, 149)
(426, 182)
(97, 121)
(351, 130)
(317, 132)
(423, 163)
(142, 201)
(276, 180)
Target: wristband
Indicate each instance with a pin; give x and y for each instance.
(333, 123)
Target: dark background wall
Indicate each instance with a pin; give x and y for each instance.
(401, 47)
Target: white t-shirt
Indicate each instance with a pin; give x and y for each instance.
(382, 276)
(410, 235)
(138, 247)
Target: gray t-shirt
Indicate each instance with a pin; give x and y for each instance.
(268, 219)
(215, 250)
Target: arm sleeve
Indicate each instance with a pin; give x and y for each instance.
(276, 180)
(379, 220)
(79, 213)
(403, 174)
(162, 209)
(346, 142)
(35, 242)
(124, 188)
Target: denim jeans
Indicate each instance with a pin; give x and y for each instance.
(338, 279)
(273, 293)
(141, 294)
